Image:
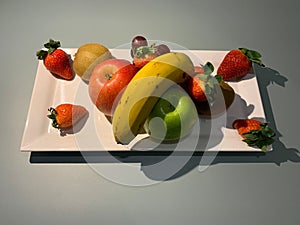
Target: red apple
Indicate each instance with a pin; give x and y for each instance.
(108, 79)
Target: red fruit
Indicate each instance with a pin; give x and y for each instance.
(66, 115)
(140, 62)
(137, 42)
(196, 87)
(246, 125)
(56, 60)
(202, 86)
(254, 132)
(237, 63)
(107, 81)
(162, 49)
(144, 54)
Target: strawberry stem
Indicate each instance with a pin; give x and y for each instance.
(52, 45)
(142, 51)
(260, 138)
(252, 55)
(52, 116)
(210, 87)
(41, 54)
(219, 78)
(208, 68)
(210, 82)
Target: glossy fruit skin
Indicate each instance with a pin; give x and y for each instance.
(162, 49)
(238, 62)
(107, 81)
(138, 41)
(66, 115)
(203, 87)
(235, 65)
(196, 88)
(87, 57)
(254, 133)
(56, 60)
(152, 52)
(177, 116)
(142, 61)
(142, 53)
(58, 63)
(140, 95)
(246, 125)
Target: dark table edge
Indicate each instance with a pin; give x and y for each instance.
(101, 157)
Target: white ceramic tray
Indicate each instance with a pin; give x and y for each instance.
(96, 133)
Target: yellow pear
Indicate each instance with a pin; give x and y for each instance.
(87, 57)
(224, 99)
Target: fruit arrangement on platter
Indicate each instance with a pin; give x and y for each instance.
(160, 92)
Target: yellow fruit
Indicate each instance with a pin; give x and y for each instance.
(144, 90)
(87, 57)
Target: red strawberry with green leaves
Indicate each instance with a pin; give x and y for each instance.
(202, 86)
(56, 60)
(237, 63)
(66, 115)
(254, 132)
(144, 54)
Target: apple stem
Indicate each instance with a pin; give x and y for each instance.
(108, 76)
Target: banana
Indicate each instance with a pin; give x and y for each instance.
(143, 91)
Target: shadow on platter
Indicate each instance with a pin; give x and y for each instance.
(76, 128)
(279, 154)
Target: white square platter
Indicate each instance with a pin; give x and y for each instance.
(96, 133)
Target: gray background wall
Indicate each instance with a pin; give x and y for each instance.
(235, 190)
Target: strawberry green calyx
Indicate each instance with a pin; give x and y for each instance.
(210, 88)
(252, 55)
(211, 82)
(51, 46)
(41, 54)
(208, 68)
(219, 78)
(52, 116)
(142, 51)
(260, 138)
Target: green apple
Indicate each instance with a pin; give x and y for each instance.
(173, 116)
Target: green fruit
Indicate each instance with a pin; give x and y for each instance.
(87, 57)
(173, 116)
(138, 98)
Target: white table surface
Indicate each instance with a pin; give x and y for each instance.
(233, 190)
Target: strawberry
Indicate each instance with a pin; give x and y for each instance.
(254, 132)
(202, 86)
(198, 69)
(237, 63)
(56, 60)
(66, 115)
(144, 54)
